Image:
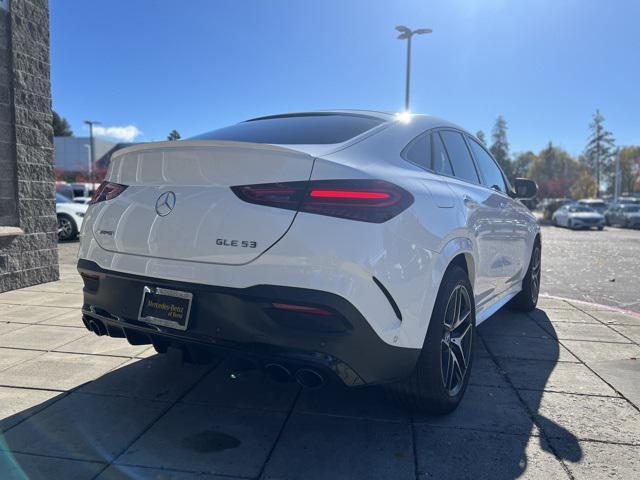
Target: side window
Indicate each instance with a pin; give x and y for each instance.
(490, 171)
(460, 157)
(439, 156)
(419, 151)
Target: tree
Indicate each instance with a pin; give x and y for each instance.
(500, 146)
(629, 170)
(555, 171)
(585, 186)
(480, 136)
(174, 135)
(599, 151)
(61, 127)
(522, 164)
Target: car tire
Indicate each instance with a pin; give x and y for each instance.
(600, 228)
(527, 299)
(606, 221)
(436, 386)
(67, 228)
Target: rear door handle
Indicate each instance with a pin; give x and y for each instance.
(469, 202)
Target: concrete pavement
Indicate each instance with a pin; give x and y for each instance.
(553, 394)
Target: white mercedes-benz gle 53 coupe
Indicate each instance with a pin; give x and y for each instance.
(355, 246)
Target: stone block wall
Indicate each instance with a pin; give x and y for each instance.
(28, 225)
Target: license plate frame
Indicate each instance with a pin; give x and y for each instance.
(179, 324)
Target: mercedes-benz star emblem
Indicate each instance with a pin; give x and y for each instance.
(165, 203)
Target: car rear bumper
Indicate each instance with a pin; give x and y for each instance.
(586, 223)
(243, 322)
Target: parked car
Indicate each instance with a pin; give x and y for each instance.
(626, 215)
(82, 200)
(70, 216)
(361, 247)
(631, 200)
(550, 205)
(64, 189)
(576, 216)
(83, 189)
(596, 204)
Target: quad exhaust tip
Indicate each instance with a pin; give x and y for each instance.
(305, 377)
(277, 372)
(97, 328)
(309, 378)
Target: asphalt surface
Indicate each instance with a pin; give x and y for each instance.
(591, 265)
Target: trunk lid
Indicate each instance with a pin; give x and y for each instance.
(178, 204)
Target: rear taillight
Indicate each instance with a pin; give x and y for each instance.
(373, 201)
(107, 191)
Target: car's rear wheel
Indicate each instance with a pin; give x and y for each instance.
(67, 229)
(527, 299)
(441, 375)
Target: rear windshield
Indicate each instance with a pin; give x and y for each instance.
(631, 208)
(296, 129)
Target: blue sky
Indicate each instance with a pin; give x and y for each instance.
(157, 65)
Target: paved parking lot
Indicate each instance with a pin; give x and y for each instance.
(554, 394)
(601, 267)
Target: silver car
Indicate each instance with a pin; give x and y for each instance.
(625, 215)
(577, 216)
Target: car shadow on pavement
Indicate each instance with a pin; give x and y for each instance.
(154, 416)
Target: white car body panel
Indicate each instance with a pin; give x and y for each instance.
(409, 254)
(76, 211)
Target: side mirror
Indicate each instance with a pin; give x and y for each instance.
(525, 188)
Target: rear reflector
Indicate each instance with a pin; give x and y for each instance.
(107, 191)
(373, 201)
(291, 307)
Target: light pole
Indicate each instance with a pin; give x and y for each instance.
(91, 123)
(90, 169)
(405, 34)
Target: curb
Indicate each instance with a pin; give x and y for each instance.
(593, 304)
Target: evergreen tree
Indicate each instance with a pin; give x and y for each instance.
(61, 127)
(174, 135)
(500, 146)
(600, 149)
(480, 136)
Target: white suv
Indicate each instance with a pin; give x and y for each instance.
(357, 246)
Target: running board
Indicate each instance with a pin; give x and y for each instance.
(487, 312)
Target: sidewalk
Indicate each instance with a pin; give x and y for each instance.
(554, 394)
